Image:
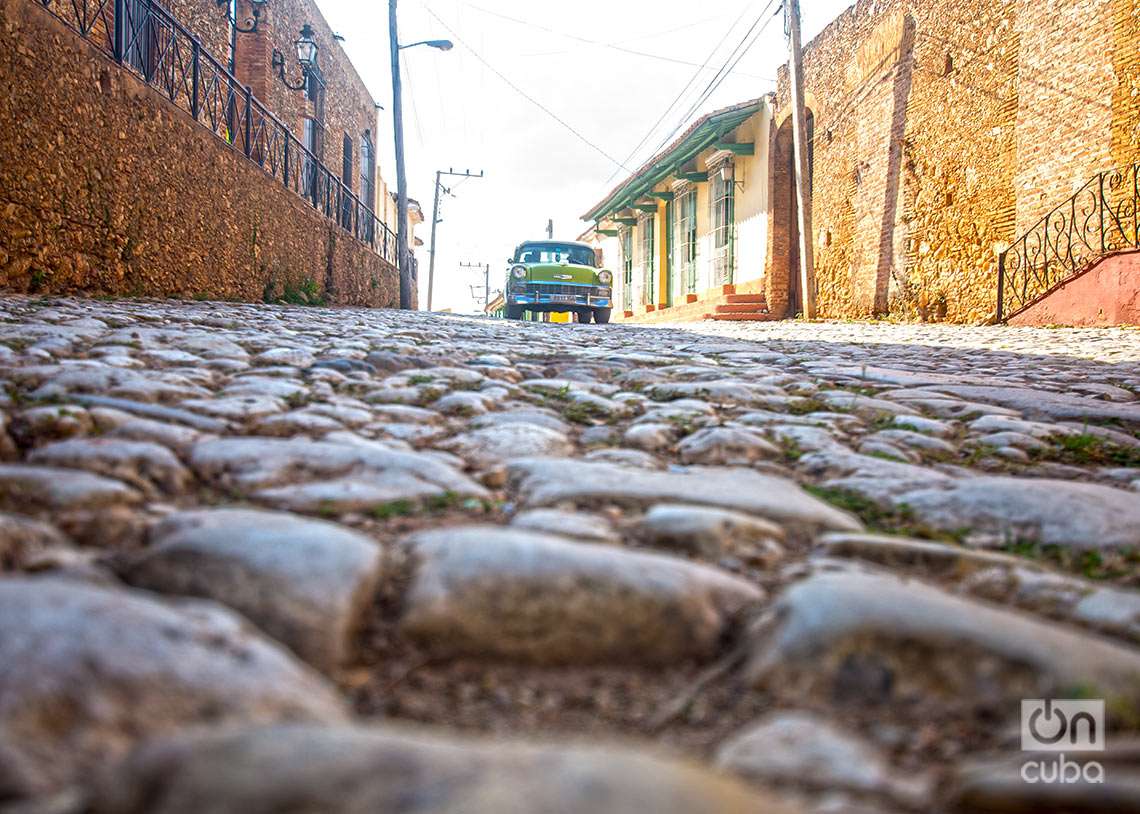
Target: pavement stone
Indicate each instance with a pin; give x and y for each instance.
(828, 557)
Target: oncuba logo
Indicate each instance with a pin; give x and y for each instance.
(1062, 726)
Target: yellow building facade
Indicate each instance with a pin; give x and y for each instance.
(687, 235)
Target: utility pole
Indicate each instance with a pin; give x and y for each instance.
(799, 137)
(550, 229)
(435, 221)
(486, 267)
(403, 261)
(403, 256)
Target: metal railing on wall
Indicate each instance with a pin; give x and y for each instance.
(145, 39)
(1100, 219)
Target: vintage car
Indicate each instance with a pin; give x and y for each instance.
(558, 276)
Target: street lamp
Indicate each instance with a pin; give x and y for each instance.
(306, 55)
(403, 258)
(440, 45)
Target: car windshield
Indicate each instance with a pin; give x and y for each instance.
(556, 255)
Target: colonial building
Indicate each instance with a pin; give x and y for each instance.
(688, 232)
(214, 148)
(969, 160)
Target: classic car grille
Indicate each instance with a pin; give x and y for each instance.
(556, 288)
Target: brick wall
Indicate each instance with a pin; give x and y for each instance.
(109, 189)
(943, 129)
(349, 109)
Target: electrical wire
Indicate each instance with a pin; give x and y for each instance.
(524, 94)
(415, 110)
(684, 90)
(611, 45)
(735, 56)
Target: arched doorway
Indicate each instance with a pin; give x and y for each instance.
(785, 241)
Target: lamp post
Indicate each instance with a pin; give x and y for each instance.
(306, 56)
(403, 257)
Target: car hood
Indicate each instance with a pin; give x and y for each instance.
(561, 274)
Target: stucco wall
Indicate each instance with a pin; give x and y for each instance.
(752, 200)
(109, 189)
(1108, 294)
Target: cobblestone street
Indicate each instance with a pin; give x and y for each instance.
(281, 557)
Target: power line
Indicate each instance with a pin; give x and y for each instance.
(743, 47)
(524, 94)
(611, 45)
(709, 89)
(415, 108)
(684, 90)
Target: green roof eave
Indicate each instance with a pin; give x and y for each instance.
(705, 135)
(736, 148)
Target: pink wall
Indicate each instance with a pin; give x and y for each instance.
(1109, 294)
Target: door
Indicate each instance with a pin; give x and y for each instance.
(627, 269)
(670, 260)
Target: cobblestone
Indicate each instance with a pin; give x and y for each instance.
(855, 544)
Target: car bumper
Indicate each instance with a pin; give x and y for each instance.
(570, 295)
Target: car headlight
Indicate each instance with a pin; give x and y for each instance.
(605, 278)
(519, 272)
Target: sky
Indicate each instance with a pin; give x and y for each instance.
(604, 70)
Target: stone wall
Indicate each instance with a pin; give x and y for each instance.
(944, 129)
(107, 189)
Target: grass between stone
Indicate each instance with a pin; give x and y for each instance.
(898, 520)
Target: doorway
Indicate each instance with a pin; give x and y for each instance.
(670, 242)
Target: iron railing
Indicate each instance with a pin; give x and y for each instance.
(1099, 220)
(145, 39)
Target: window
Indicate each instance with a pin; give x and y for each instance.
(139, 38)
(314, 141)
(346, 206)
(368, 182)
(311, 139)
(551, 254)
(645, 226)
(722, 203)
(685, 237)
(627, 267)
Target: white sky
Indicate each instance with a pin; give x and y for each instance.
(458, 113)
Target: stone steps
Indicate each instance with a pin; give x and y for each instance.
(720, 303)
(751, 317)
(741, 308)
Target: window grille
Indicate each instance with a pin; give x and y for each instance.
(645, 226)
(722, 202)
(685, 237)
(147, 41)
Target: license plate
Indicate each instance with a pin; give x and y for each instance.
(563, 298)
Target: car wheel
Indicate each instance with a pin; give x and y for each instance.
(584, 316)
(514, 312)
(602, 316)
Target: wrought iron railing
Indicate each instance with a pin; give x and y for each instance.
(146, 39)
(1099, 220)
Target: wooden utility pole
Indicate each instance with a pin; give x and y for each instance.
(435, 219)
(486, 267)
(434, 223)
(403, 260)
(799, 135)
